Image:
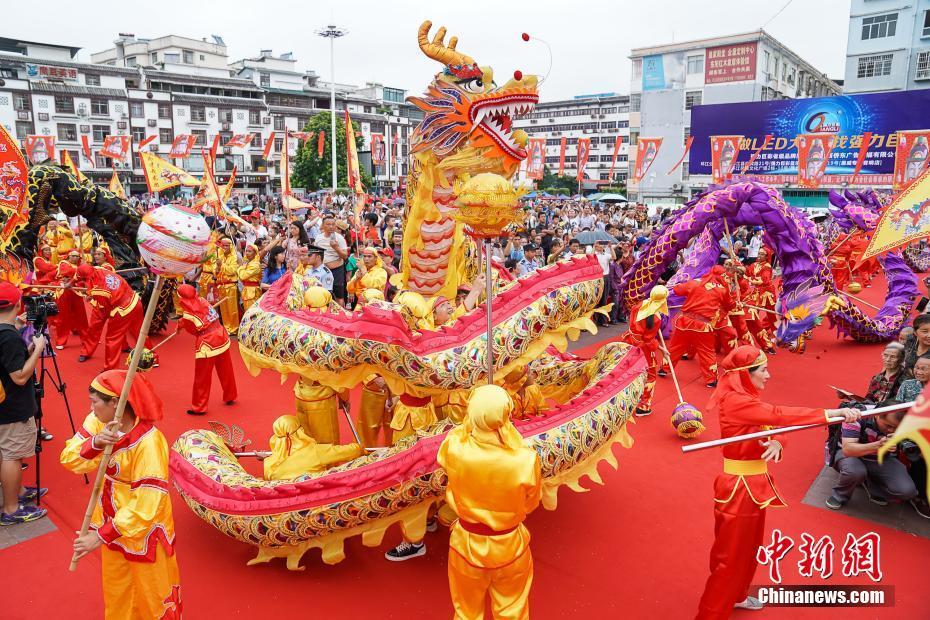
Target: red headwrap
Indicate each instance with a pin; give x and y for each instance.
(65, 270)
(194, 304)
(146, 405)
(735, 374)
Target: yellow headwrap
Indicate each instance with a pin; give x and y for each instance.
(317, 298)
(656, 304)
(488, 421)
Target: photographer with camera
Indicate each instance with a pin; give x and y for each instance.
(17, 410)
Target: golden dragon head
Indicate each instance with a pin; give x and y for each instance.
(463, 104)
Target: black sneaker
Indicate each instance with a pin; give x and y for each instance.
(711, 384)
(662, 373)
(685, 356)
(921, 506)
(45, 435)
(643, 412)
(833, 503)
(192, 412)
(405, 551)
(83, 358)
(878, 501)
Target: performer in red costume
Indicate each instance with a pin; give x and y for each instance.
(705, 300)
(841, 263)
(730, 329)
(645, 323)
(71, 314)
(862, 273)
(744, 490)
(211, 349)
(117, 306)
(762, 295)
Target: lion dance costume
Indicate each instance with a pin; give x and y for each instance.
(133, 517)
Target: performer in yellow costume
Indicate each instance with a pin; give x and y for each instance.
(373, 412)
(250, 274)
(294, 453)
(207, 279)
(132, 522)
(370, 274)
(227, 289)
(494, 482)
(318, 410)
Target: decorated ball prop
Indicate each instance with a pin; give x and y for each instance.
(854, 287)
(487, 203)
(173, 239)
(688, 421)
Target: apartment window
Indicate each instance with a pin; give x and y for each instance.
(198, 114)
(926, 30)
(153, 57)
(687, 134)
(23, 130)
(394, 95)
(173, 57)
(6, 72)
(102, 162)
(188, 57)
(202, 57)
(164, 110)
(636, 101)
(21, 102)
(165, 135)
(201, 137)
(879, 26)
(874, 66)
(278, 144)
(695, 65)
(637, 68)
(765, 61)
(226, 116)
(138, 134)
(923, 66)
(257, 140)
(136, 161)
(99, 107)
(136, 109)
(692, 98)
(634, 136)
(67, 132)
(264, 80)
(92, 79)
(64, 105)
(279, 123)
(100, 132)
(130, 61)
(254, 117)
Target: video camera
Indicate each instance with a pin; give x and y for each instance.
(38, 309)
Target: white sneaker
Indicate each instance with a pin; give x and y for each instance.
(751, 603)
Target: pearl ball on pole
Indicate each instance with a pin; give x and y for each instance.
(332, 32)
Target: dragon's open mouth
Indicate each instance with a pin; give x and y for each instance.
(495, 116)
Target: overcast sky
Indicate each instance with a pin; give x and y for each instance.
(590, 39)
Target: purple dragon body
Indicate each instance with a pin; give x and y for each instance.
(807, 282)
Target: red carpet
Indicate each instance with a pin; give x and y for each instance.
(635, 548)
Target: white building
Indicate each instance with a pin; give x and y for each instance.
(600, 117)
(669, 80)
(170, 53)
(888, 46)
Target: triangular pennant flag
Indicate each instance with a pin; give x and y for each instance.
(905, 220)
(68, 163)
(160, 175)
(116, 186)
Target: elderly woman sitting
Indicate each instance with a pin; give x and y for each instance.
(885, 384)
(911, 388)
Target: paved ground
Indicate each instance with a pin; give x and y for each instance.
(15, 534)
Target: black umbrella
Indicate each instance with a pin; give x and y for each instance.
(590, 237)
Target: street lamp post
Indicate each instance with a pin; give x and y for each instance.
(332, 32)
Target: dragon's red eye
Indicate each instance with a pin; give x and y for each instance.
(518, 75)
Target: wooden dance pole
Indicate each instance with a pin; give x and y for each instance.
(789, 429)
(120, 408)
(177, 331)
(671, 368)
(861, 301)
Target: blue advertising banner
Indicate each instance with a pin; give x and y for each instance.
(848, 117)
(653, 73)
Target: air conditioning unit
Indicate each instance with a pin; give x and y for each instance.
(225, 126)
(600, 116)
(43, 116)
(121, 124)
(676, 187)
(152, 122)
(22, 115)
(85, 128)
(551, 120)
(82, 110)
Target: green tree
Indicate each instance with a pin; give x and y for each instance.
(312, 172)
(554, 181)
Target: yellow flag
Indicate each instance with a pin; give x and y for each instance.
(906, 219)
(68, 163)
(160, 175)
(116, 187)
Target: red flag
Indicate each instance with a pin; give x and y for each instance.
(755, 154)
(182, 145)
(240, 140)
(680, 161)
(646, 151)
(583, 152)
(613, 162)
(377, 149)
(724, 151)
(910, 158)
(813, 157)
(40, 148)
(536, 160)
(268, 146)
(320, 144)
(215, 147)
(85, 147)
(562, 156)
(863, 151)
(145, 141)
(302, 135)
(116, 147)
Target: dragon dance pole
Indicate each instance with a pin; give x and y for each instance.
(487, 304)
(789, 429)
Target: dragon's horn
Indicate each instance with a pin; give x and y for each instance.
(439, 51)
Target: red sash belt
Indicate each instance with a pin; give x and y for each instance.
(251, 282)
(414, 401)
(483, 530)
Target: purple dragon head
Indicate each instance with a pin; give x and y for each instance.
(801, 310)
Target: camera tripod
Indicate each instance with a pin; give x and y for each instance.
(38, 382)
